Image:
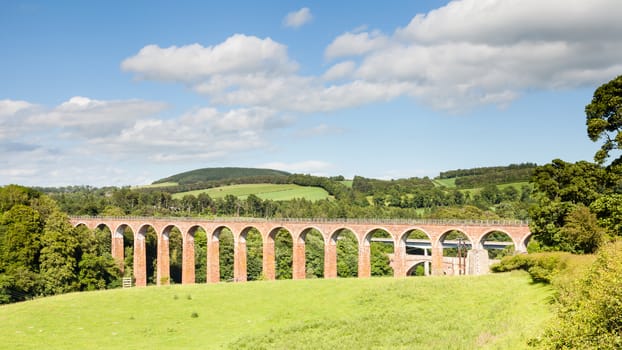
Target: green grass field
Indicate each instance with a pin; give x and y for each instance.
(498, 311)
(449, 183)
(163, 184)
(264, 191)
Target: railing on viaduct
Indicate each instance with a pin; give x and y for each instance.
(476, 232)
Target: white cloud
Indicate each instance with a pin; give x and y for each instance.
(203, 134)
(239, 54)
(314, 167)
(85, 117)
(298, 18)
(12, 107)
(503, 22)
(84, 140)
(465, 54)
(356, 44)
(340, 70)
(12, 113)
(474, 52)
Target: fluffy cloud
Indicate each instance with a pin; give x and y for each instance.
(340, 70)
(239, 54)
(354, 44)
(204, 134)
(85, 117)
(85, 136)
(12, 107)
(298, 18)
(474, 52)
(465, 54)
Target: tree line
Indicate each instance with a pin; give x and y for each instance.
(42, 254)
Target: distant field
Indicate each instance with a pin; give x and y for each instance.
(449, 183)
(263, 191)
(163, 184)
(347, 183)
(517, 185)
(475, 312)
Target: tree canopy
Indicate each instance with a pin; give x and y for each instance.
(604, 119)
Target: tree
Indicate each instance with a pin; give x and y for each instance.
(98, 272)
(604, 119)
(58, 256)
(20, 234)
(283, 254)
(581, 233)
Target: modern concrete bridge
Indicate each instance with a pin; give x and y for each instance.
(330, 229)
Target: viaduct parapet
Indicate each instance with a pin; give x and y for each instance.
(330, 229)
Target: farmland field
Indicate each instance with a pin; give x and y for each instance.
(273, 192)
(500, 311)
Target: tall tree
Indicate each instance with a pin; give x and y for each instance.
(604, 119)
(59, 266)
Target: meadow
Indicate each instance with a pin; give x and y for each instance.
(499, 311)
(275, 192)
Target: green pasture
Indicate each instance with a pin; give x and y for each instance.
(159, 185)
(449, 183)
(347, 183)
(500, 311)
(273, 192)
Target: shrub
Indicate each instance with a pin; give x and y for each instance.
(589, 314)
(546, 267)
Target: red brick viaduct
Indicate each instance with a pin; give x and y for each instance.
(363, 229)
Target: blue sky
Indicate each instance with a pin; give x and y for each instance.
(124, 93)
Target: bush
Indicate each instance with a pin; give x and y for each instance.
(589, 314)
(546, 267)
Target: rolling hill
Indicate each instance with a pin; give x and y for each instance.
(219, 174)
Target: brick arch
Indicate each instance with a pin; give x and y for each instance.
(300, 260)
(400, 262)
(523, 241)
(188, 272)
(404, 235)
(445, 232)
(330, 256)
(240, 268)
(364, 264)
(213, 251)
(479, 242)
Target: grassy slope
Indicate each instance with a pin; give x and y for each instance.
(493, 311)
(263, 191)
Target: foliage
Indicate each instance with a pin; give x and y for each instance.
(484, 170)
(604, 119)
(544, 267)
(283, 254)
(496, 176)
(347, 255)
(216, 174)
(225, 253)
(589, 313)
(98, 272)
(564, 191)
(254, 252)
(58, 260)
(581, 233)
(314, 254)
